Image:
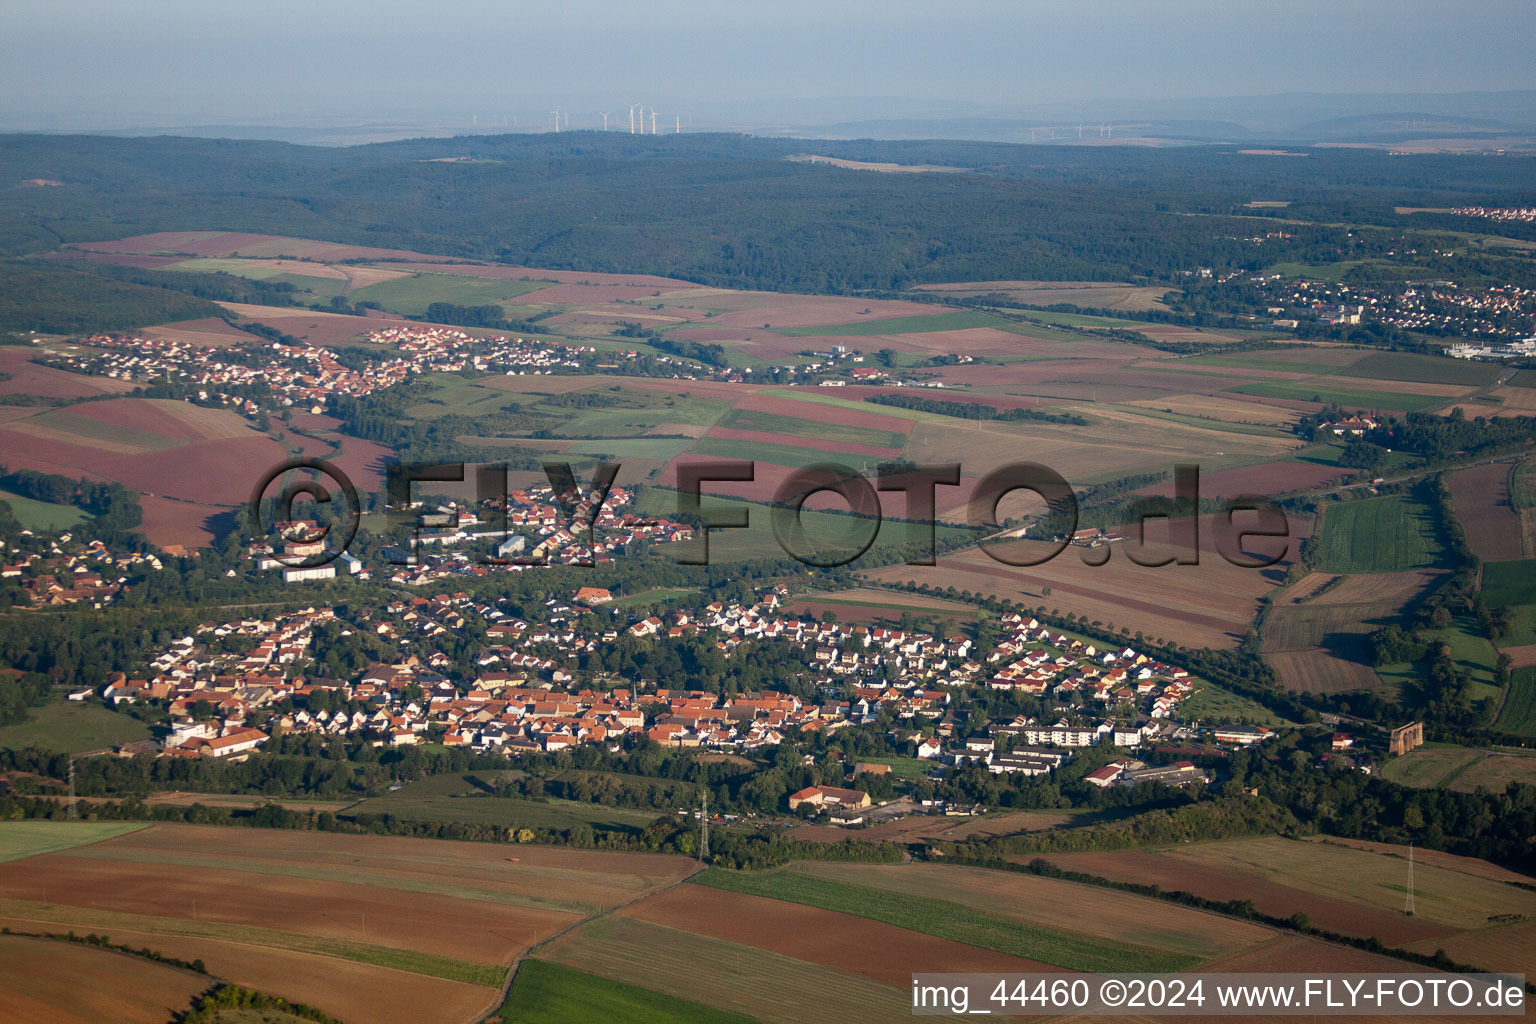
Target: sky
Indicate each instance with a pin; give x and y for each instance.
(106, 63)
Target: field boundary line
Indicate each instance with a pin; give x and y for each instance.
(506, 986)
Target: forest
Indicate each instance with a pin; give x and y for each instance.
(731, 211)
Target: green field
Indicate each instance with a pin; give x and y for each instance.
(1201, 422)
(692, 412)
(456, 799)
(907, 768)
(96, 430)
(664, 448)
(947, 920)
(546, 993)
(69, 727)
(20, 839)
(1519, 714)
(1081, 319)
(1471, 651)
(1311, 391)
(824, 396)
(412, 295)
(1422, 369)
(1509, 583)
(1429, 766)
(42, 515)
(1511, 586)
(652, 596)
(1393, 533)
(897, 325)
(1522, 489)
(1524, 379)
(775, 423)
(1299, 365)
(732, 976)
(783, 454)
(263, 270)
(1211, 703)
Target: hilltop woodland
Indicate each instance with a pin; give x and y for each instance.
(566, 202)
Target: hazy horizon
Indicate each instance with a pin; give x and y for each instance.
(91, 64)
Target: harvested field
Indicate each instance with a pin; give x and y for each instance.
(1297, 954)
(1317, 642)
(1104, 450)
(127, 259)
(1337, 670)
(169, 522)
(1058, 944)
(1522, 656)
(937, 828)
(164, 448)
(1035, 900)
(1176, 874)
(502, 272)
(1088, 294)
(1454, 899)
(323, 329)
(327, 909)
(210, 331)
(767, 478)
(1211, 604)
(29, 378)
(1231, 410)
(1517, 401)
(375, 928)
(1437, 858)
(1509, 947)
(1481, 498)
(590, 878)
(726, 975)
(813, 413)
(840, 942)
(40, 983)
(754, 309)
(1268, 479)
(365, 462)
(180, 421)
(831, 447)
(1182, 335)
(343, 988)
(215, 472)
(1399, 388)
(234, 243)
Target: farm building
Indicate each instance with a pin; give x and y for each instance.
(821, 796)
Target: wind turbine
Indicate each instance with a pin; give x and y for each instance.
(653, 120)
(556, 112)
(677, 128)
(605, 114)
(632, 107)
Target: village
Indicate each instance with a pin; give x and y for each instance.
(309, 377)
(229, 687)
(524, 528)
(61, 570)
